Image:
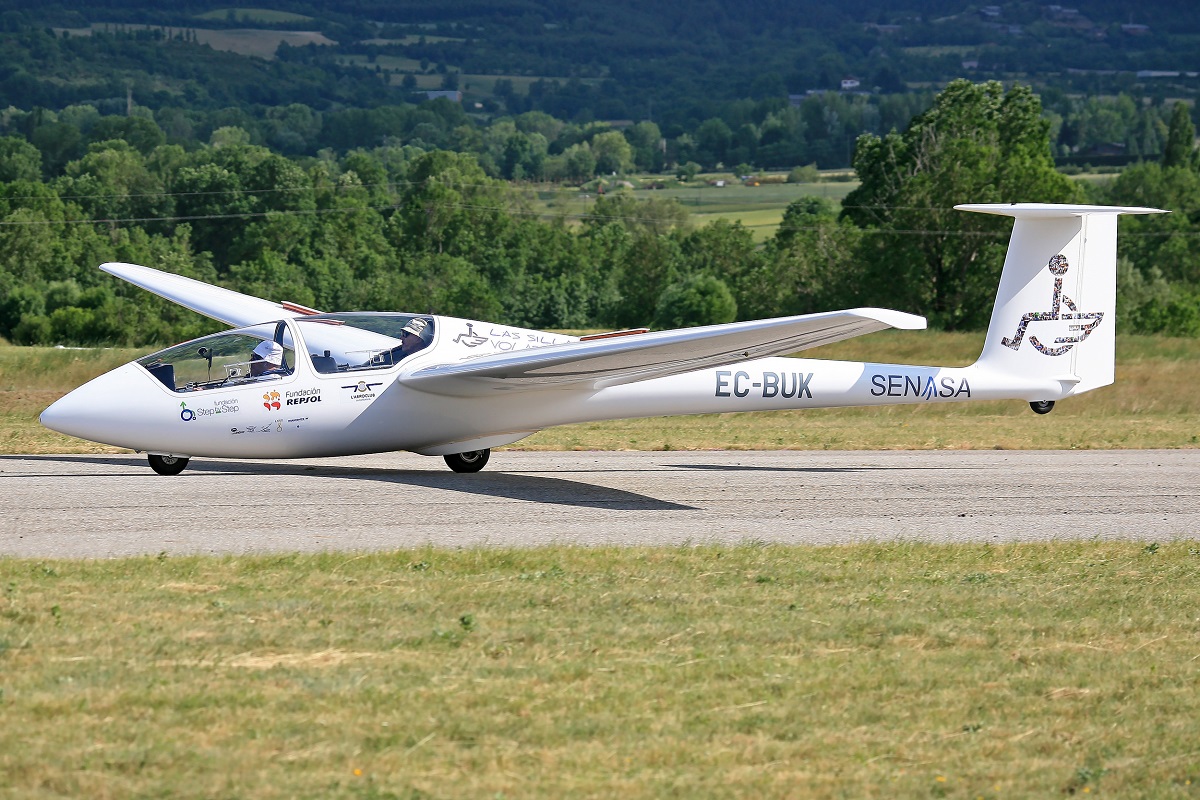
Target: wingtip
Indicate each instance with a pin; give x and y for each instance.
(894, 319)
(1050, 210)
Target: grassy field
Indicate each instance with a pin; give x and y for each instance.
(759, 208)
(247, 42)
(863, 671)
(1154, 403)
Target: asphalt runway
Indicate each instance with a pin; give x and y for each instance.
(104, 505)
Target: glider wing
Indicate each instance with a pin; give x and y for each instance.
(225, 305)
(610, 362)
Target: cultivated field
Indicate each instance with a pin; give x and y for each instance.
(261, 15)
(245, 41)
(893, 670)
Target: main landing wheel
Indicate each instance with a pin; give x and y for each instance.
(470, 461)
(169, 465)
(1042, 406)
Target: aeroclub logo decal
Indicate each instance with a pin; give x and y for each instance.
(362, 390)
(1058, 267)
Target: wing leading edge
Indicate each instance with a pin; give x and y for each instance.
(232, 308)
(610, 362)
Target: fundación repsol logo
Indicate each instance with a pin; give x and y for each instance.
(300, 397)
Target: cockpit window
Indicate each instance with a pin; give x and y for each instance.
(248, 355)
(364, 340)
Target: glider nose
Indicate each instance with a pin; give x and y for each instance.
(94, 410)
(73, 414)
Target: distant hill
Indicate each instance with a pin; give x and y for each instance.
(630, 59)
(741, 63)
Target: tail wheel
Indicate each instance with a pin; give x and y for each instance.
(470, 461)
(1042, 406)
(167, 465)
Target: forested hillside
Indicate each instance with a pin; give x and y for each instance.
(325, 174)
(759, 83)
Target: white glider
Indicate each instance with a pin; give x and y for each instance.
(291, 382)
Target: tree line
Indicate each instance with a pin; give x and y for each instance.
(401, 227)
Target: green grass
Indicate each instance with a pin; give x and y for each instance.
(1155, 403)
(759, 208)
(895, 670)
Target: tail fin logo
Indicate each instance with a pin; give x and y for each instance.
(1058, 267)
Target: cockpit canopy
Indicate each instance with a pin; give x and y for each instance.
(358, 340)
(349, 342)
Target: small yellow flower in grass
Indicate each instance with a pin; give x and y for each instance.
(941, 778)
(357, 772)
(1087, 790)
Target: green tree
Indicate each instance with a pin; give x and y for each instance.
(19, 160)
(59, 143)
(112, 182)
(810, 265)
(654, 216)
(713, 139)
(700, 299)
(613, 153)
(1160, 244)
(976, 144)
(687, 172)
(142, 134)
(581, 162)
(646, 139)
(1181, 138)
(724, 250)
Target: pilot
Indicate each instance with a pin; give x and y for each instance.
(267, 359)
(412, 338)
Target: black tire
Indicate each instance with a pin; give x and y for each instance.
(470, 461)
(167, 465)
(1042, 406)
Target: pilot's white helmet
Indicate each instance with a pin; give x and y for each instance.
(271, 352)
(416, 327)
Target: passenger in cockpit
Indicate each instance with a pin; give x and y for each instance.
(412, 338)
(267, 359)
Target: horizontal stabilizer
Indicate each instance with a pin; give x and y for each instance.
(611, 362)
(225, 305)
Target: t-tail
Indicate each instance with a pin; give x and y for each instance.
(1053, 329)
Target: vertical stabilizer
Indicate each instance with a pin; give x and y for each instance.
(1055, 313)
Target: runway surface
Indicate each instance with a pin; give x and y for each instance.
(101, 506)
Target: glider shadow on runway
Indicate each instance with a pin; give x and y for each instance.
(530, 488)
